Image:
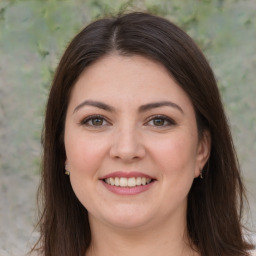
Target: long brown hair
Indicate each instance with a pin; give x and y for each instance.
(215, 203)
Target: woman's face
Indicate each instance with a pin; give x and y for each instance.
(131, 143)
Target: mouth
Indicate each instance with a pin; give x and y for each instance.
(128, 182)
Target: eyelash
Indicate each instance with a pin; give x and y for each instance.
(88, 119)
(167, 121)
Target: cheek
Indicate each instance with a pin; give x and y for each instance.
(84, 157)
(84, 154)
(177, 155)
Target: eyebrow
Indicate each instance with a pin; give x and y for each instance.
(142, 108)
(93, 103)
(150, 106)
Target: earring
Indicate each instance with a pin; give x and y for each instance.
(201, 174)
(67, 172)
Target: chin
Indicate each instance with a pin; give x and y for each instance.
(128, 222)
(126, 218)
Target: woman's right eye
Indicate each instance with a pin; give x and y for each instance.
(94, 121)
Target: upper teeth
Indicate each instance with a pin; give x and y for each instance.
(127, 182)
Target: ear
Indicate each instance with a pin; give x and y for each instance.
(66, 165)
(203, 152)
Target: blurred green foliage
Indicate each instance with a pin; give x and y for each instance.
(34, 34)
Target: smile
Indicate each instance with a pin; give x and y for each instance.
(127, 182)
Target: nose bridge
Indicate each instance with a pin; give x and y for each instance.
(127, 142)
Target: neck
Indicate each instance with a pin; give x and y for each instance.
(161, 240)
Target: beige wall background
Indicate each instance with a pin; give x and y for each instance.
(33, 35)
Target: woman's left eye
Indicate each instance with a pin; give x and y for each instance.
(160, 121)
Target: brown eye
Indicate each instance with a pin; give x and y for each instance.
(94, 121)
(159, 122)
(97, 121)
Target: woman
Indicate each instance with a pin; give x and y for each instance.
(135, 121)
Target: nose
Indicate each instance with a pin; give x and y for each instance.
(127, 145)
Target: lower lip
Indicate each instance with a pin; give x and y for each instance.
(128, 190)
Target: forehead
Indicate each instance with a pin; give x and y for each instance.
(128, 80)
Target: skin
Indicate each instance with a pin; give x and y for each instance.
(128, 138)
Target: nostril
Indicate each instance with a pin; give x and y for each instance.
(127, 152)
